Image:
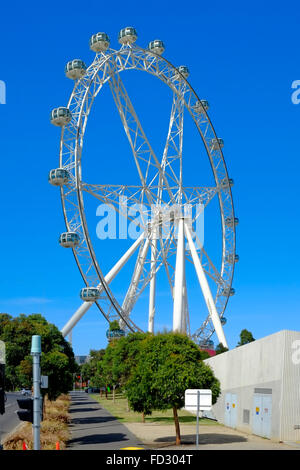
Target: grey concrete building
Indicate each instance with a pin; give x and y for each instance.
(260, 384)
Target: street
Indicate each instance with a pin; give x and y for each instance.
(9, 420)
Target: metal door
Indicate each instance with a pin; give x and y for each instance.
(262, 415)
(231, 410)
(257, 415)
(267, 415)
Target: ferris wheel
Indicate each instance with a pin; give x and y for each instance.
(167, 239)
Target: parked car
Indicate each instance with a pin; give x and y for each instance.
(25, 391)
(92, 390)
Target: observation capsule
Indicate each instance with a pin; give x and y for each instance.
(217, 143)
(183, 70)
(58, 177)
(99, 42)
(227, 291)
(202, 104)
(69, 239)
(223, 321)
(89, 294)
(229, 221)
(75, 69)
(227, 182)
(60, 116)
(113, 334)
(206, 344)
(127, 35)
(232, 258)
(156, 46)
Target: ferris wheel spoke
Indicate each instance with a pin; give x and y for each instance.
(199, 196)
(172, 155)
(144, 156)
(130, 298)
(145, 272)
(110, 276)
(126, 201)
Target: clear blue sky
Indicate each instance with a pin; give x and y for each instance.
(243, 60)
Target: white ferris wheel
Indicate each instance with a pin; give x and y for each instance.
(168, 239)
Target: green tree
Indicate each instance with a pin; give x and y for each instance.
(245, 337)
(220, 349)
(125, 356)
(91, 370)
(57, 360)
(114, 326)
(168, 364)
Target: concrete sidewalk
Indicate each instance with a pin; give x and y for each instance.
(94, 428)
(211, 437)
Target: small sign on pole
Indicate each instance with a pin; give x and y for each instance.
(44, 381)
(198, 400)
(2, 353)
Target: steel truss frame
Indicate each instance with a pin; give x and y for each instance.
(160, 184)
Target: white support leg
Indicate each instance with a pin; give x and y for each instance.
(178, 306)
(184, 306)
(152, 285)
(205, 289)
(84, 307)
(129, 298)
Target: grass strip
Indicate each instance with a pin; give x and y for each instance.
(119, 409)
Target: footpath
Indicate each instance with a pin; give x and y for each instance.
(94, 428)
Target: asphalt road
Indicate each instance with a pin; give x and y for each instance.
(10, 419)
(94, 428)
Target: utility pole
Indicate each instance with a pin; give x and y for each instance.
(36, 355)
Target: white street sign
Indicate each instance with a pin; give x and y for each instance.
(44, 381)
(191, 398)
(2, 352)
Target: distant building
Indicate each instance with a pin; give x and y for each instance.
(82, 359)
(260, 387)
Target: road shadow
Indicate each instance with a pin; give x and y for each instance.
(82, 410)
(205, 439)
(76, 403)
(98, 439)
(93, 420)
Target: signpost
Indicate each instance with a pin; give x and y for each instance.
(198, 400)
(36, 356)
(2, 377)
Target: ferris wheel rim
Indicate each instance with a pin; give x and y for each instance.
(78, 168)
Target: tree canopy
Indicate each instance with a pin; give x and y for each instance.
(57, 359)
(245, 337)
(220, 348)
(168, 365)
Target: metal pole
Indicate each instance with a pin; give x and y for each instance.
(179, 278)
(205, 289)
(197, 428)
(36, 353)
(152, 285)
